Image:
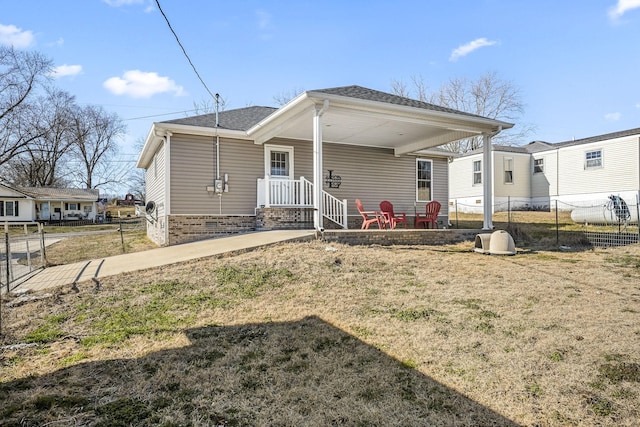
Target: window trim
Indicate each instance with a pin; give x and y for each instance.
(430, 161)
(6, 213)
(475, 172)
(540, 167)
(600, 159)
(268, 148)
(505, 161)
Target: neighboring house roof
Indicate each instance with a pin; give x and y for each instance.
(63, 194)
(15, 190)
(496, 147)
(537, 146)
(239, 119)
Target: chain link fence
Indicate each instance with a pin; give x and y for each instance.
(604, 223)
(27, 248)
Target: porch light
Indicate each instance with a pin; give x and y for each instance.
(332, 181)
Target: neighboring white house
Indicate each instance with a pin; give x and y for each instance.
(24, 204)
(574, 173)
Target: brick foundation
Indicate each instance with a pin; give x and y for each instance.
(284, 219)
(400, 237)
(189, 228)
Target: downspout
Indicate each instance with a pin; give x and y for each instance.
(167, 184)
(317, 166)
(218, 154)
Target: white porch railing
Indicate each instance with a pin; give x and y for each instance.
(334, 209)
(275, 192)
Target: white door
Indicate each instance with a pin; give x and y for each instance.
(279, 170)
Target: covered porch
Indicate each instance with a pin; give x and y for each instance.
(366, 118)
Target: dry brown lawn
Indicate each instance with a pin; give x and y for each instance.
(317, 334)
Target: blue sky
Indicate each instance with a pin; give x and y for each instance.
(576, 63)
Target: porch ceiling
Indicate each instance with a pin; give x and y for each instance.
(373, 124)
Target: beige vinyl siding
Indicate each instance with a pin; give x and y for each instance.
(521, 185)
(619, 171)
(193, 165)
(374, 174)
(155, 178)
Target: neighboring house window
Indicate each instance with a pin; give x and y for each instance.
(9, 208)
(538, 165)
(423, 180)
(477, 172)
(71, 207)
(593, 159)
(508, 170)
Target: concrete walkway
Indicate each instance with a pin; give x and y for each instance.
(86, 270)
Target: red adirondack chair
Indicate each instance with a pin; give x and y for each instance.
(366, 220)
(390, 217)
(432, 209)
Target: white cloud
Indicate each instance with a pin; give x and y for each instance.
(466, 49)
(14, 36)
(118, 3)
(140, 84)
(66, 71)
(612, 117)
(264, 19)
(622, 7)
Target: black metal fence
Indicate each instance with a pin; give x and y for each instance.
(613, 222)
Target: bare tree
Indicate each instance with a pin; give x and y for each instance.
(21, 73)
(488, 96)
(95, 135)
(286, 95)
(42, 162)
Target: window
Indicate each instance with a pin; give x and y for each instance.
(71, 207)
(538, 165)
(423, 180)
(279, 161)
(9, 208)
(477, 172)
(508, 170)
(593, 159)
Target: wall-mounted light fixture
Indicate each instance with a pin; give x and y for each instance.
(332, 181)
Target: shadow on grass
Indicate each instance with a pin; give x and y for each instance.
(305, 372)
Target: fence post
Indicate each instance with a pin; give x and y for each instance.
(456, 204)
(121, 233)
(638, 214)
(557, 225)
(43, 255)
(7, 253)
(508, 211)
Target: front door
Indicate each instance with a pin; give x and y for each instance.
(279, 170)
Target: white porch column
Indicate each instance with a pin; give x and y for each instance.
(487, 175)
(317, 165)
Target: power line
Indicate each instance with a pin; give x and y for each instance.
(183, 50)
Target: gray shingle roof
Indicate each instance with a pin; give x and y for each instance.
(60, 193)
(243, 119)
(367, 94)
(597, 138)
(239, 119)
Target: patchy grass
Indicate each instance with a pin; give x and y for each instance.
(286, 335)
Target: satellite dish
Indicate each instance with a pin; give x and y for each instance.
(150, 207)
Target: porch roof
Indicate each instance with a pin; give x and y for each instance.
(355, 116)
(360, 116)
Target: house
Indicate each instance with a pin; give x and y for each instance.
(301, 165)
(24, 204)
(541, 175)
